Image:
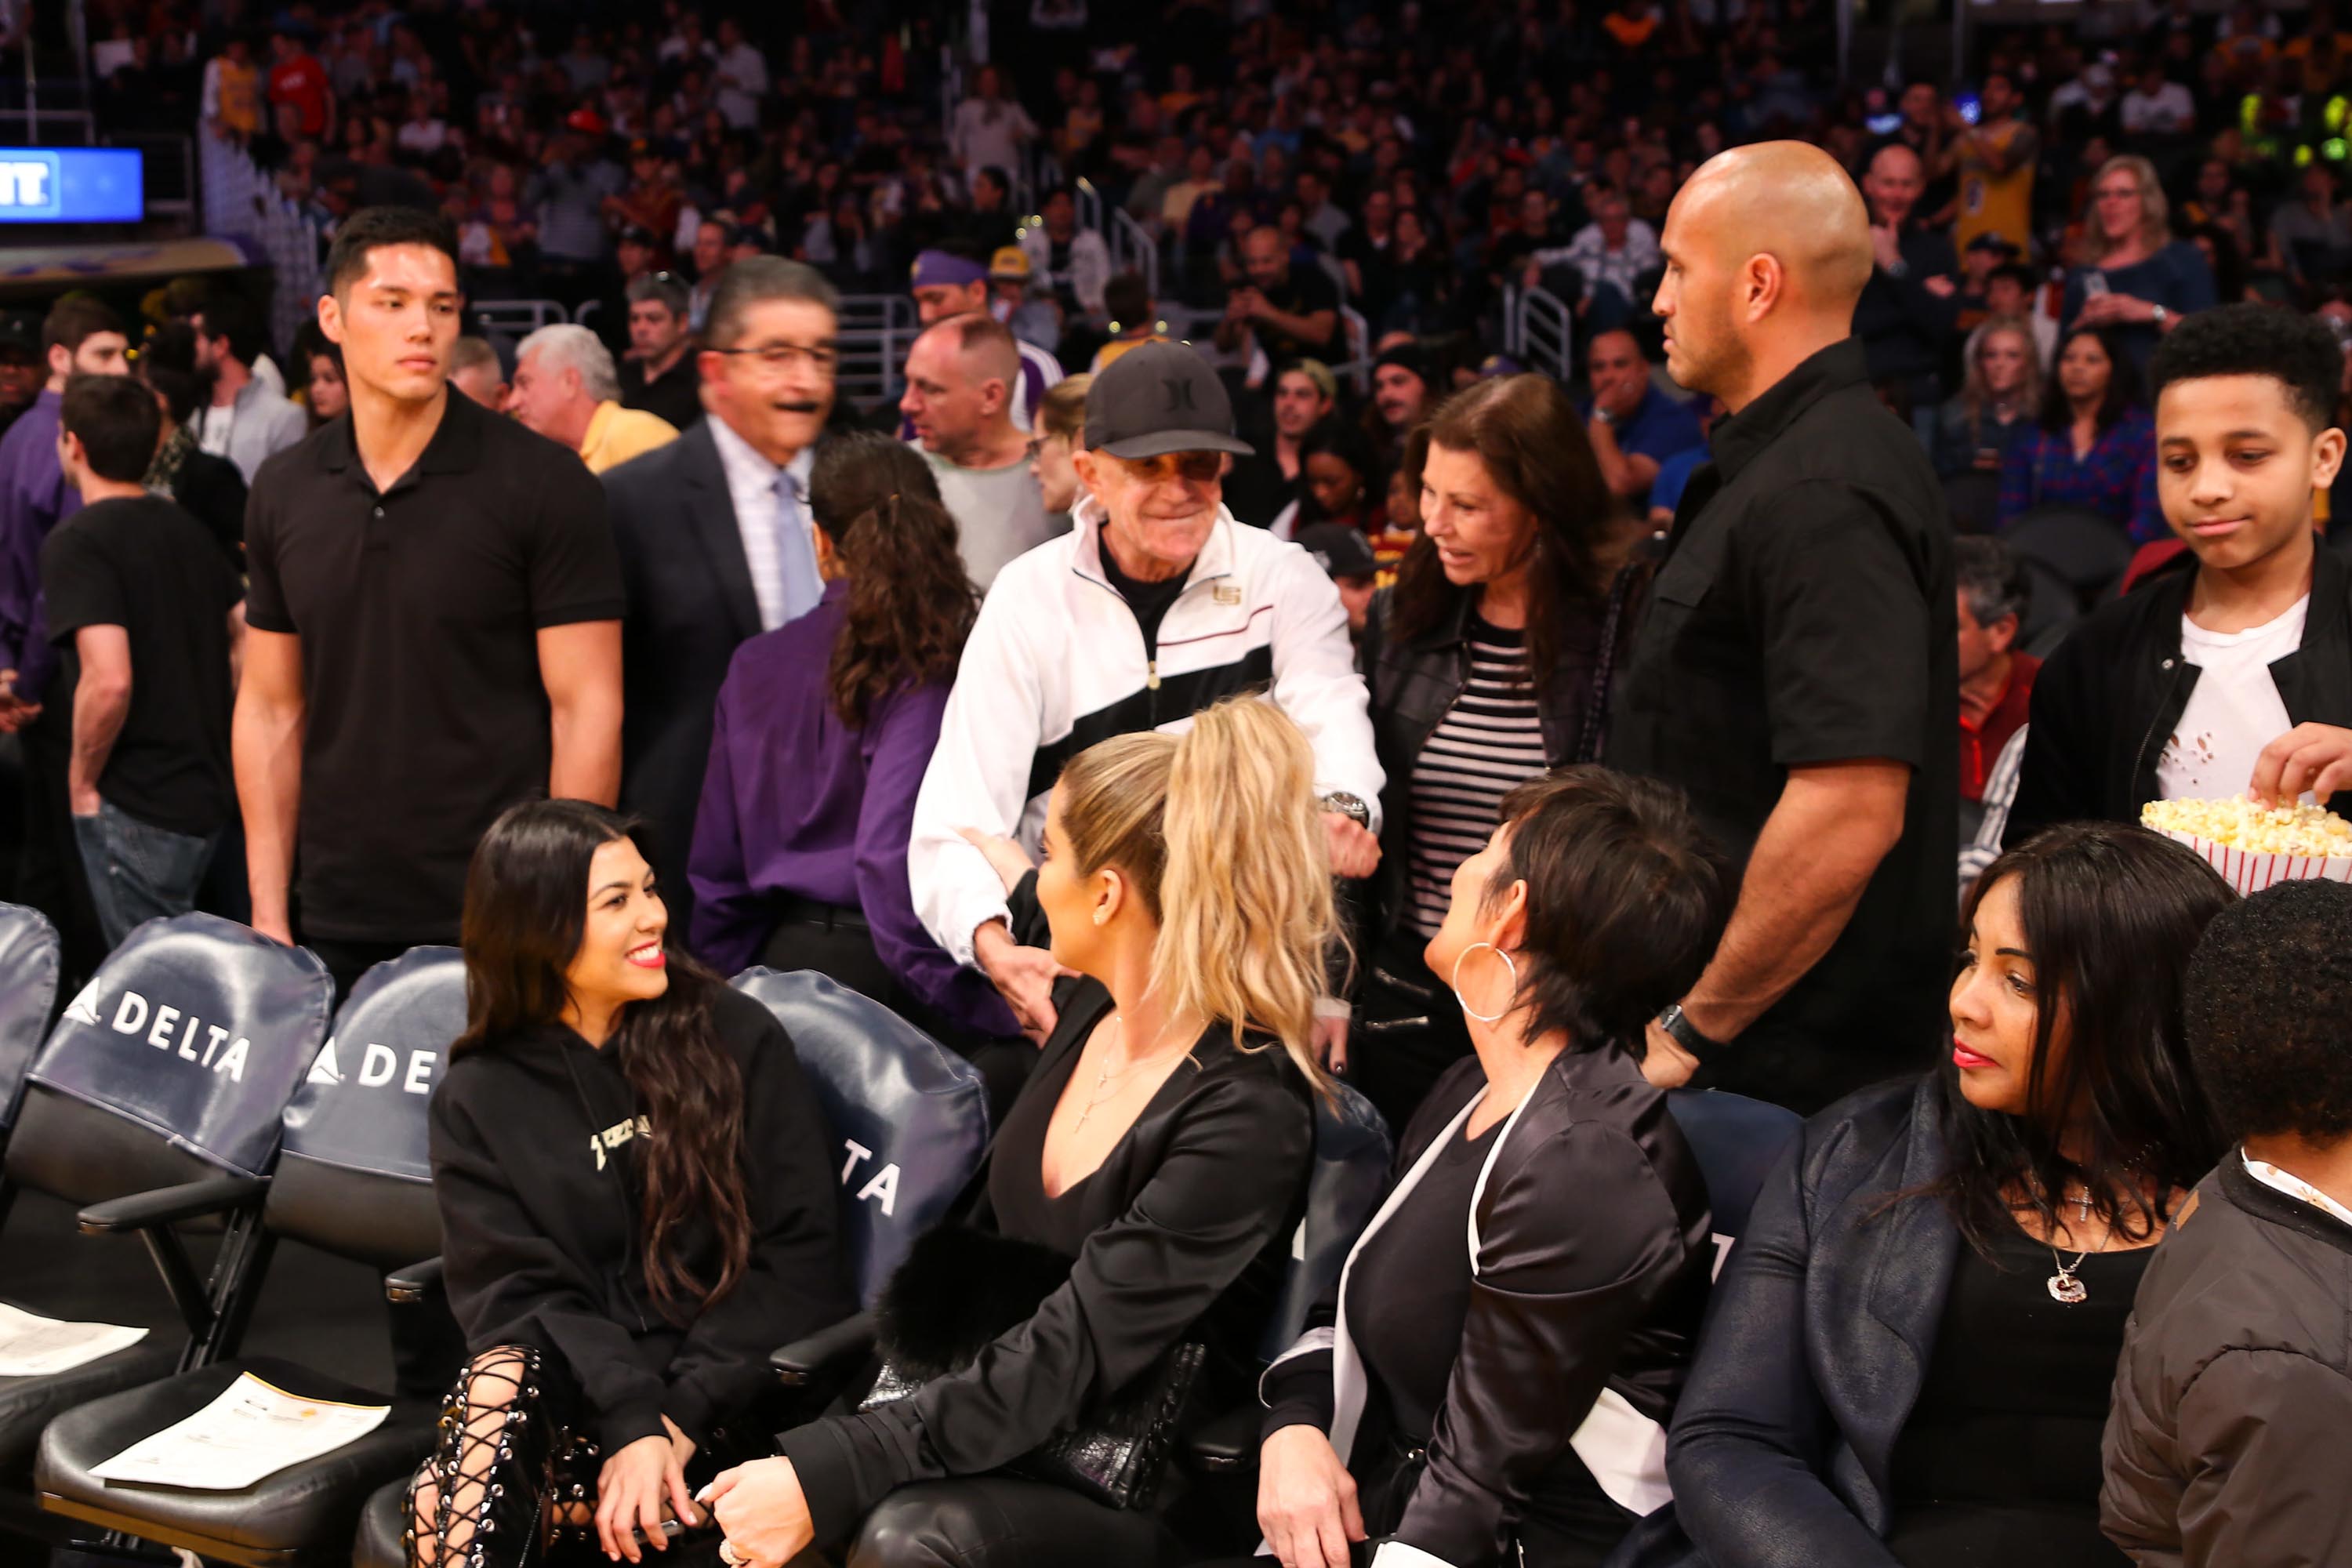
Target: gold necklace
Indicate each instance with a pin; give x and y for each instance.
(1104, 1077)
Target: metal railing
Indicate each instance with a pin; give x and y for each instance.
(1542, 332)
(876, 331)
(81, 123)
(1090, 208)
(1132, 248)
(520, 317)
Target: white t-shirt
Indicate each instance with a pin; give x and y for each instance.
(2234, 711)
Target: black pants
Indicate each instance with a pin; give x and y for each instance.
(837, 942)
(1408, 1029)
(49, 869)
(1000, 1522)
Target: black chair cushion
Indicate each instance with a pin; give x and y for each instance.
(304, 1514)
(381, 1528)
(29, 1404)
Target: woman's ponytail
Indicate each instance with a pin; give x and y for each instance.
(1220, 831)
(1248, 921)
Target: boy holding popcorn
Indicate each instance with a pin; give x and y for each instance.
(2229, 671)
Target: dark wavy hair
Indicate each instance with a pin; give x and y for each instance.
(911, 606)
(2111, 915)
(1527, 432)
(526, 911)
(1626, 900)
(2123, 384)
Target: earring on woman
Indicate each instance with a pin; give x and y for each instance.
(1454, 979)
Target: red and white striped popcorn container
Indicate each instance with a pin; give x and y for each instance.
(2250, 871)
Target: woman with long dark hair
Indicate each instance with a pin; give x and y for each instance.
(636, 1204)
(1483, 663)
(2095, 447)
(822, 734)
(1909, 1357)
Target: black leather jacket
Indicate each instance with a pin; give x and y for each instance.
(1415, 681)
(1816, 1342)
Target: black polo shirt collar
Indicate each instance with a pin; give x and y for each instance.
(1740, 438)
(456, 447)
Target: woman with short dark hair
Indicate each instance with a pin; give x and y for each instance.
(636, 1204)
(822, 729)
(1506, 1402)
(1910, 1354)
(1484, 662)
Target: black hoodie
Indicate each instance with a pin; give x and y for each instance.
(534, 1138)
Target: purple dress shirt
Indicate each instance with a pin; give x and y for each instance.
(797, 803)
(34, 498)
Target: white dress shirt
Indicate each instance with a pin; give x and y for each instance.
(751, 487)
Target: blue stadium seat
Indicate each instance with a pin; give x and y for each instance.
(910, 1117)
(1352, 1156)
(353, 1180)
(157, 1099)
(1738, 1141)
(28, 989)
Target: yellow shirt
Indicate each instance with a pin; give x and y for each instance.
(1995, 204)
(617, 434)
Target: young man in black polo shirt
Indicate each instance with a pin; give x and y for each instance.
(435, 624)
(143, 607)
(1798, 669)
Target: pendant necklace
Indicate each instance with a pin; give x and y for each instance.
(1106, 1080)
(2065, 1288)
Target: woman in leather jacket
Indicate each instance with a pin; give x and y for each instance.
(1484, 665)
(1159, 1148)
(1506, 1402)
(1909, 1355)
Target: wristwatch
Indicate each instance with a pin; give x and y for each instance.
(1348, 805)
(2156, 315)
(1683, 1033)
(1604, 415)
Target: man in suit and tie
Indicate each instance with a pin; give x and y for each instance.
(715, 536)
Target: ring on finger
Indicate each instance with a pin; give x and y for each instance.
(729, 1555)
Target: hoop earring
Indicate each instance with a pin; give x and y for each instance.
(1454, 979)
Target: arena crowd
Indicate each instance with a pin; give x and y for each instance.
(1233, 696)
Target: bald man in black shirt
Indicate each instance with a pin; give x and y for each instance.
(1797, 669)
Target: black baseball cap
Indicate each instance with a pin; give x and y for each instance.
(21, 329)
(1160, 397)
(1339, 549)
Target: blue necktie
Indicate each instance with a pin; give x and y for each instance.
(796, 573)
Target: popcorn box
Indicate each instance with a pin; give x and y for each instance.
(2250, 871)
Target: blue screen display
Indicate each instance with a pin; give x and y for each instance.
(72, 184)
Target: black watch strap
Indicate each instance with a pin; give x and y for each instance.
(1683, 1033)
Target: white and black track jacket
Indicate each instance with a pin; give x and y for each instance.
(1057, 663)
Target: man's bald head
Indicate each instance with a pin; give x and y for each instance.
(1892, 183)
(1768, 248)
(960, 379)
(982, 347)
(1265, 257)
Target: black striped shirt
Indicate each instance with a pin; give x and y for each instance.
(1490, 740)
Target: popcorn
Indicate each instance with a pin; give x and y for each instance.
(2241, 823)
(2253, 846)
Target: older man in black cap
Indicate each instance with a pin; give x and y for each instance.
(1156, 605)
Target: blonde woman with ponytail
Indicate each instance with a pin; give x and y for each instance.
(1159, 1154)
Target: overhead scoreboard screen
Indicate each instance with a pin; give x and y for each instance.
(72, 184)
